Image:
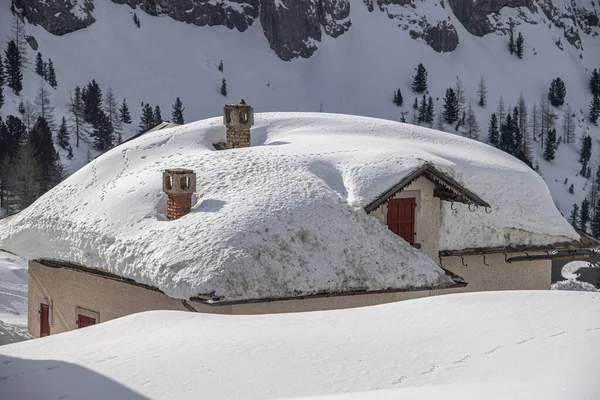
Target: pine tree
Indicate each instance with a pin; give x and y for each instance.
(220, 67)
(51, 172)
(568, 125)
(224, 87)
(482, 93)
(39, 65)
(14, 135)
(45, 70)
(419, 83)
(2, 75)
(501, 109)
(506, 141)
(550, 149)
(472, 124)
(398, 100)
(596, 220)
(76, 109)
(103, 133)
(460, 93)
(111, 108)
(594, 114)
(124, 115)
(63, 134)
(450, 106)
(51, 75)
(511, 39)
(585, 153)
(423, 110)
(22, 179)
(547, 118)
(147, 118)
(17, 34)
(91, 97)
(557, 92)
(157, 116)
(44, 107)
(574, 217)
(585, 215)
(595, 83)
(439, 123)
(136, 20)
(519, 48)
(177, 114)
(430, 112)
(416, 104)
(14, 76)
(21, 107)
(493, 133)
(572, 189)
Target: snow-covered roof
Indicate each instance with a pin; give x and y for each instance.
(534, 345)
(283, 217)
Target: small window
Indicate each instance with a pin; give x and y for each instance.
(168, 183)
(244, 117)
(85, 317)
(184, 182)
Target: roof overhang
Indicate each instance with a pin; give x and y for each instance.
(447, 188)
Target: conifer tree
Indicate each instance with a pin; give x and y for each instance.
(124, 115)
(557, 92)
(450, 106)
(594, 114)
(416, 104)
(51, 75)
(2, 75)
(62, 137)
(482, 93)
(472, 124)
(112, 112)
(419, 83)
(398, 100)
(51, 172)
(103, 133)
(574, 217)
(572, 189)
(430, 111)
(136, 20)
(550, 149)
(91, 97)
(17, 34)
(422, 110)
(224, 87)
(511, 39)
(147, 118)
(596, 220)
(39, 65)
(519, 46)
(585, 153)
(493, 132)
(595, 83)
(585, 215)
(44, 107)
(22, 179)
(13, 65)
(177, 114)
(220, 67)
(157, 116)
(76, 109)
(506, 141)
(547, 118)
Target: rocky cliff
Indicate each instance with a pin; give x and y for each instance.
(295, 28)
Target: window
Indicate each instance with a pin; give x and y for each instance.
(401, 218)
(44, 319)
(86, 317)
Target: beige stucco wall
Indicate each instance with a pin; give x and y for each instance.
(427, 224)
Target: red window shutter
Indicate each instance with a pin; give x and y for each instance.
(401, 218)
(44, 320)
(83, 321)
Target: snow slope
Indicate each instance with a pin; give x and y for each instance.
(353, 74)
(13, 290)
(495, 345)
(283, 217)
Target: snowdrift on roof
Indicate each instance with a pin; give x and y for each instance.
(284, 217)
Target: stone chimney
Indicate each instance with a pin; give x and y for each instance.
(179, 184)
(238, 118)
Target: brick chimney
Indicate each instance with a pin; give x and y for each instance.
(179, 184)
(238, 118)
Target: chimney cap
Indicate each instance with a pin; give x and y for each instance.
(179, 171)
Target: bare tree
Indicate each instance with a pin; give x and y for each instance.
(568, 125)
(460, 93)
(501, 110)
(482, 93)
(17, 33)
(548, 117)
(44, 107)
(472, 124)
(439, 124)
(111, 107)
(535, 121)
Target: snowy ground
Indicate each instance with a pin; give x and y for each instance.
(533, 345)
(13, 298)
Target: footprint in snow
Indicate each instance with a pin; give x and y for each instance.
(399, 380)
(558, 334)
(525, 341)
(430, 370)
(462, 360)
(492, 351)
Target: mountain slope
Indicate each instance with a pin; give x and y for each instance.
(355, 72)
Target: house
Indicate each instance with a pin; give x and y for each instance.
(284, 212)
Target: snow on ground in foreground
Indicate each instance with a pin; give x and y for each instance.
(13, 298)
(502, 344)
(283, 217)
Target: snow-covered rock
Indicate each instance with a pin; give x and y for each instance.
(574, 285)
(535, 345)
(283, 217)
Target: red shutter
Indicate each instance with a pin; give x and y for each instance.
(83, 321)
(401, 218)
(44, 320)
